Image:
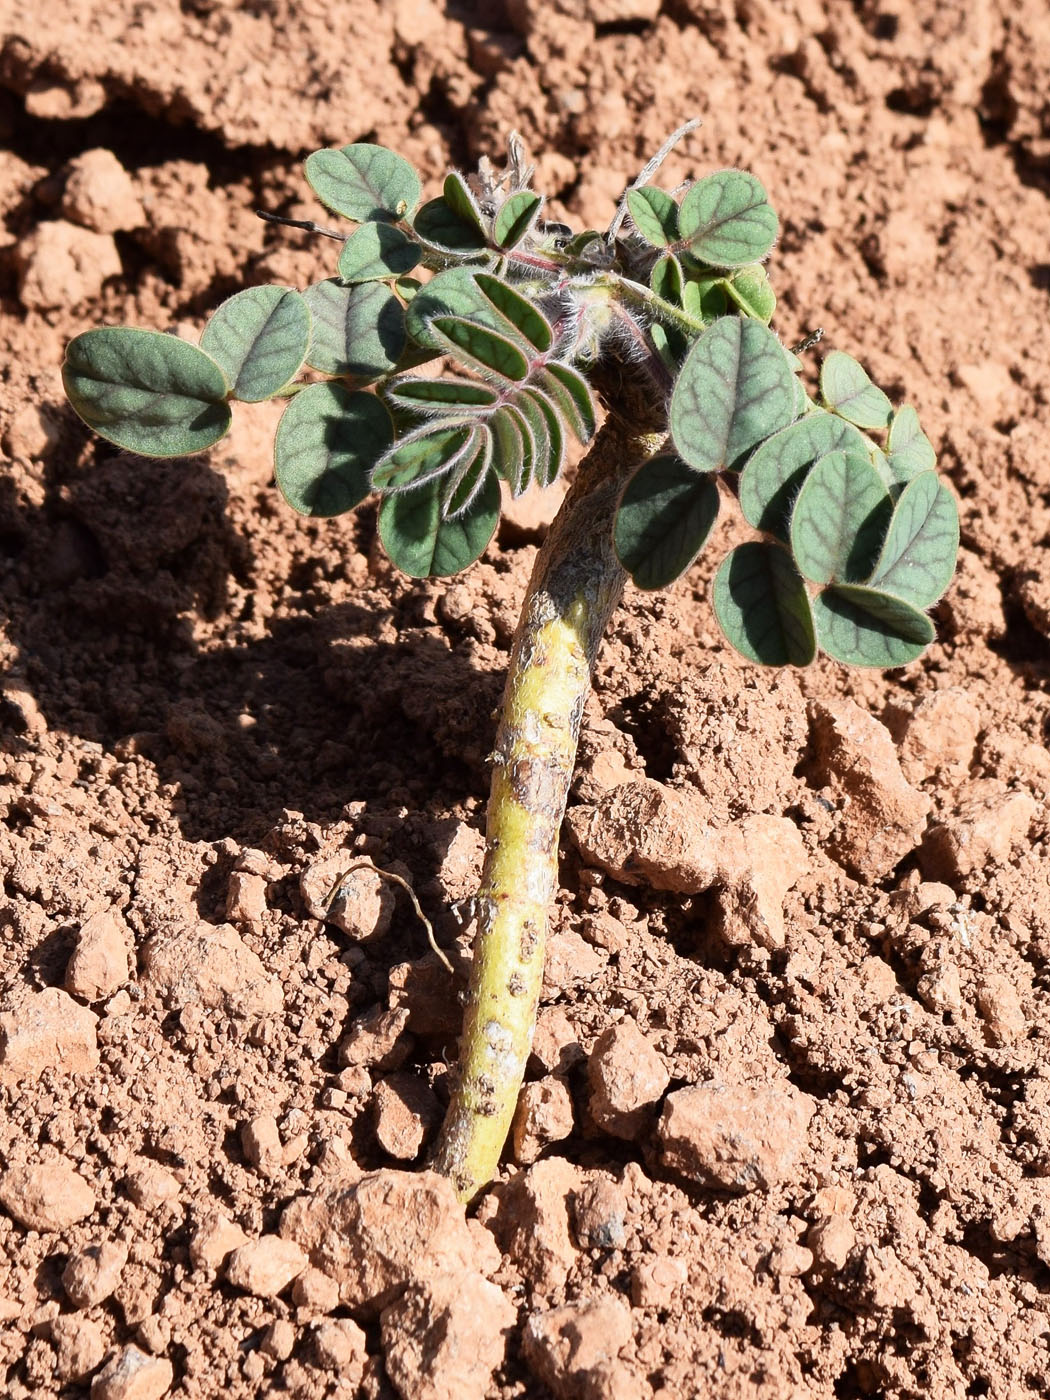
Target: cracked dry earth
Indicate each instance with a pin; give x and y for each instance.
(786, 1133)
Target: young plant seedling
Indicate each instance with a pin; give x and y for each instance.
(665, 317)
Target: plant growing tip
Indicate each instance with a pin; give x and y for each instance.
(665, 318)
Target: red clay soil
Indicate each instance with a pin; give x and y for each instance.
(787, 1131)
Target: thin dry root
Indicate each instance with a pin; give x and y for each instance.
(396, 880)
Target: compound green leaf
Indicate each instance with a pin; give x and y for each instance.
(655, 214)
(364, 182)
(910, 450)
(568, 391)
(847, 390)
(454, 292)
(762, 606)
(520, 313)
(665, 278)
(538, 432)
(750, 288)
(358, 331)
(480, 349)
(508, 447)
(327, 442)
(840, 519)
(663, 520)
(515, 217)
(734, 389)
(463, 484)
(147, 392)
(863, 627)
(516, 472)
(259, 338)
(918, 557)
(422, 455)
(548, 463)
(428, 395)
(704, 298)
(459, 199)
(438, 224)
(377, 252)
(773, 476)
(407, 287)
(422, 544)
(726, 220)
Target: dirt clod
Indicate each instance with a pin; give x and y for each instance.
(46, 1195)
(79, 1346)
(443, 1339)
(988, 821)
(543, 1116)
(130, 1374)
(380, 1234)
(739, 1137)
(880, 816)
(627, 1079)
(570, 1348)
(266, 1266)
(99, 964)
(45, 1030)
(93, 1273)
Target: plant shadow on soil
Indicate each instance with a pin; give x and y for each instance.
(108, 576)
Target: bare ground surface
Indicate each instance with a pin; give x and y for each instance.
(792, 1130)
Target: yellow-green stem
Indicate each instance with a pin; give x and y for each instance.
(576, 583)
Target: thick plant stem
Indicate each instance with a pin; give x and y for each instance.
(576, 584)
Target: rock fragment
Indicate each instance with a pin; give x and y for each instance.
(655, 1279)
(831, 1241)
(598, 1210)
(130, 1374)
(405, 1113)
(278, 1340)
(99, 964)
(377, 1040)
(1000, 1006)
(100, 195)
(534, 1221)
(261, 1142)
(382, 1233)
(543, 1116)
(315, 1292)
(645, 833)
(214, 1239)
(881, 817)
(567, 1347)
(939, 732)
(988, 821)
(266, 1266)
(79, 1346)
(93, 1273)
(46, 1195)
(340, 1345)
(246, 899)
(627, 1079)
(61, 265)
(737, 1137)
(45, 1030)
(212, 965)
(443, 1339)
(750, 899)
(150, 1185)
